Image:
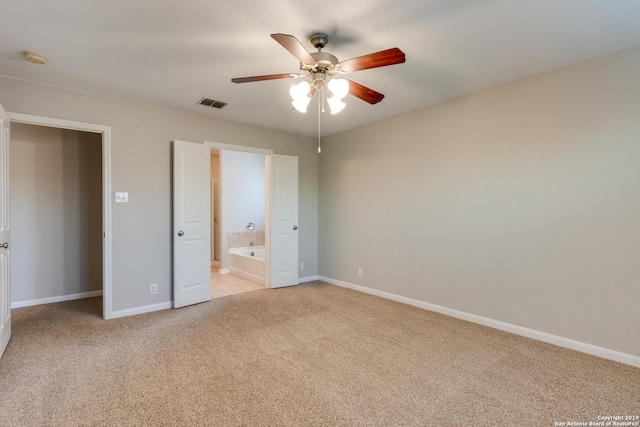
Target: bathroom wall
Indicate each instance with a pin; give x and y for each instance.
(56, 212)
(242, 193)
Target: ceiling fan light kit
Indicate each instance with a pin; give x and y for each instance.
(336, 89)
(339, 87)
(335, 105)
(300, 95)
(321, 67)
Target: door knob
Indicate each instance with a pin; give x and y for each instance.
(295, 227)
(5, 245)
(180, 233)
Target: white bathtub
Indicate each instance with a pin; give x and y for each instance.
(248, 262)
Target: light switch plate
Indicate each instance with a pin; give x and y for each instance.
(122, 197)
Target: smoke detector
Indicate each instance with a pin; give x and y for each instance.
(34, 58)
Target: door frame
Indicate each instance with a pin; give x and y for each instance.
(267, 209)
(105, 131)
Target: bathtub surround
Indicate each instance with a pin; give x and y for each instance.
(241, 263)
(245, 238)
(248, 262)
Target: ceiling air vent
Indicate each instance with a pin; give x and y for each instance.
(211, 103)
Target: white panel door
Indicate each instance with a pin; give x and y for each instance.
(284, 221)
(191, 224)
(5, 235)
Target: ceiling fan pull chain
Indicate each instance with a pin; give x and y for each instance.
(319, 102)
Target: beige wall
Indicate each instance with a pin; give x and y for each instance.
(56, 212)
(215, 166)
(216, 230)
(141, 165)
(520, 203)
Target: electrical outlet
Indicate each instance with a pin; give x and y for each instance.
(153, 289)
(360, 274)
(302, 266)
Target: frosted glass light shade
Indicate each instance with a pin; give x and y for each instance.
(300, 90)
(336, 105)
(301, 104)
(300, 95)
(339, 88)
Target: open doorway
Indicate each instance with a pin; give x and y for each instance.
(67, 243)
(192, 216)
(56, 211)
(239, 222)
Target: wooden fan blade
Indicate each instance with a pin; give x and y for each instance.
(364, 93)
(261, 78)
(373, 60)
(293, 45)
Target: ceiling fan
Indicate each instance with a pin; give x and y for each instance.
(321, 67)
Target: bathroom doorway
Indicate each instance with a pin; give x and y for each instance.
(238, 209)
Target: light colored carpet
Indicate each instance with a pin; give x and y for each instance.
(314, 354)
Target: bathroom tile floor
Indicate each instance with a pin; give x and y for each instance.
(229, 284)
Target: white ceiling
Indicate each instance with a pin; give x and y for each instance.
(173, 53)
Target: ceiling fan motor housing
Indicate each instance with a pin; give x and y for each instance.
(319, 40)
(325, 61)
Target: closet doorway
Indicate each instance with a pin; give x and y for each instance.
(59, 182)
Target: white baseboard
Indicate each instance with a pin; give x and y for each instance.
(605, 353)
(307, 279)
(61, 298)
(141, 310)
(223, 270)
